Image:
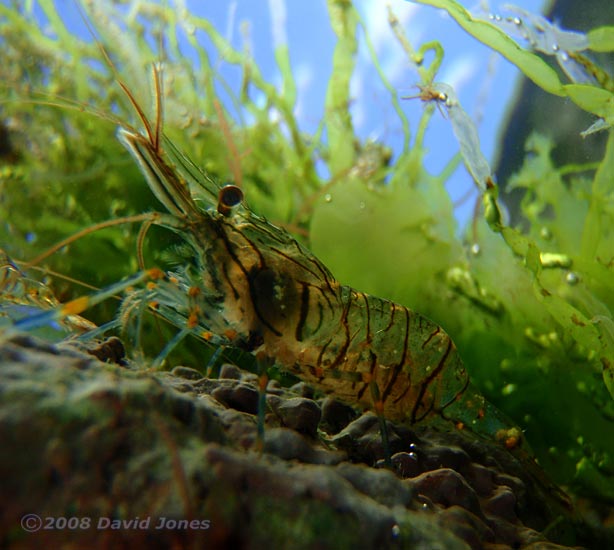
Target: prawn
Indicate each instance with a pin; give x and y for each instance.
(249, 284)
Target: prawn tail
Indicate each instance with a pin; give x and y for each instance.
(470, 410)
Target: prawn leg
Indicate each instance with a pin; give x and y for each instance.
(263, 382)
(79, 305)
(378, 405)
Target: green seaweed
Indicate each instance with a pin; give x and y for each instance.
(588, 97)
(530, 310)
(492, 36)
(601, 39)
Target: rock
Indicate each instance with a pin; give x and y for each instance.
(467, 527)
(240, 396)
(362, 438)
(290, 445)
(406, 464)
(250, 378)
(441, 456)
(241, 428)
(110, 350)
(302, 389)
(187, 372)
(335, 415)
(274, 388)
(230, 371)
(512, 482)
(99, 440)
(299, 506)
(502, 503)
(381, 485)
(482, 479)
(448, 488)
(298, 413)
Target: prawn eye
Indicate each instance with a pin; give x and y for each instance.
(228, 198)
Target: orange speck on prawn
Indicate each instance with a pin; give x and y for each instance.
(193, 318)
(76, 306)
(155, 273)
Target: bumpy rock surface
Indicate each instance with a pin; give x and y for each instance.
(106, 443)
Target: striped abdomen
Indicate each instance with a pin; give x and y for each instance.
(412, 361)
(287, 308)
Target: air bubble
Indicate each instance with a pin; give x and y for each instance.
(328, 197)
(572, 278)
(362, 205)
(545, 233)
(476, 249)
(506, 364)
